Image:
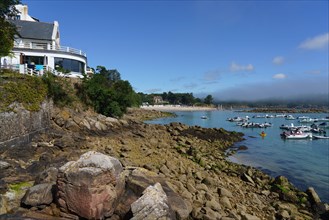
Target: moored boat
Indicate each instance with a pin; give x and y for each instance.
(323, 125)
(290, 117)
(254, 125)
(238, 119)
(303, 117)
(291, 127)
(323, 119)
(296, 135)
(320, 137)
(308, 120)
(280, 116)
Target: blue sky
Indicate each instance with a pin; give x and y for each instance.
(230, 49)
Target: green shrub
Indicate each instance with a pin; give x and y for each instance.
(58, 89)
(108, 97)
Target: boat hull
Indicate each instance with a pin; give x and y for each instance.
(320, 137)
(296, 136)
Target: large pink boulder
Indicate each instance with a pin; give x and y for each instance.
(90, 187)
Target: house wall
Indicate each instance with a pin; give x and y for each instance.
(20, 126)
(27, 42)
(23, 13)
(14, 60)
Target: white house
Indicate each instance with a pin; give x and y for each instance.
(37, 46)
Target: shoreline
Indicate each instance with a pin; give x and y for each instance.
(177, 108)
(232, 150)
(191, 159)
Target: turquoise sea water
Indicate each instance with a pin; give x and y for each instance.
(304, 162)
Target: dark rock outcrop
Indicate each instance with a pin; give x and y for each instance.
(41, 194)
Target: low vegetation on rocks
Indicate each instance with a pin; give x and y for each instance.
(15, 88)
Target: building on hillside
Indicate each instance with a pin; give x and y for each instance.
(37, 47)
(90, 71)
(157, 100)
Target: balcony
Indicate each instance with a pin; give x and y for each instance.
(45, 46)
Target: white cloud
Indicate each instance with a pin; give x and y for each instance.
(178, 79)
(315, 43)
(155, 90)
(279, 76)
(236, 67)
(279, 60)
(212, 75)
(280, 89)
(313, 72)
(190, 86)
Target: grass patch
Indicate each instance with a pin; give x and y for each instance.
(31, 91)
(280, 188)
(19, 187)
(28, 90)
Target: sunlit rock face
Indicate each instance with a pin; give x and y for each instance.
(90, 186)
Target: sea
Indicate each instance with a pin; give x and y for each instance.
(304, 162)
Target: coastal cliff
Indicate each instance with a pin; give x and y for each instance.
(181, 168)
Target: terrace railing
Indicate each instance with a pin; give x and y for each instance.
(45, 46)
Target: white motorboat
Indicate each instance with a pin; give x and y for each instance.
(254, 125)
(291, 127)
(303, 117)
(259, 116)
(286, 127)
(308, 120)
(296, 135)
(290, 117)
(323, 119)
(238, 119)
(320, 137)
(280, 116)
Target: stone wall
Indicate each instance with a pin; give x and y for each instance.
(19, 126)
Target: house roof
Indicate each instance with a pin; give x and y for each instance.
(34, 30)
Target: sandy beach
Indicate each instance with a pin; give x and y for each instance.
(177, 108)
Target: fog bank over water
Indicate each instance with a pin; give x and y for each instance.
(290, 89)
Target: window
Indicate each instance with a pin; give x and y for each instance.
(69, 64)
(33, 60)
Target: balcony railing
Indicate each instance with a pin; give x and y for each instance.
(45, 46)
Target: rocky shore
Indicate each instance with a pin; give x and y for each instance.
(88, 166)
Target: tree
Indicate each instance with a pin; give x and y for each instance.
(7, 8)
(111, 75)
(187, 99)
(208, 100)
(123, 94)
(7, 29)
(172, 99)
(107, 93)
